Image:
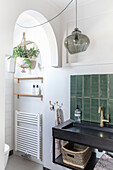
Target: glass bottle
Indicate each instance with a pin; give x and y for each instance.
(78, 115)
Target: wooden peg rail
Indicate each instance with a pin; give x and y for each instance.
(28, 78)
(28, 95)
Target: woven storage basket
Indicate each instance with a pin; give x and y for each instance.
(76, 155)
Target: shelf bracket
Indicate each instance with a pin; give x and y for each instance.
(41, 98)
(17, 96)
(18, 81)
(41, 80)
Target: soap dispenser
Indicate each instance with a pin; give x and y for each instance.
(37, 89)
(78, 115)
(33, 89)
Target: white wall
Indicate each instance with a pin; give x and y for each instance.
(9, 124)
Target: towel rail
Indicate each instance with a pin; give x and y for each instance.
(27, 133)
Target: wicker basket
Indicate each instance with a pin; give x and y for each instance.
(76, 155)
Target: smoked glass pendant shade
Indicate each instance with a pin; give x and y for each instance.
(76, 42)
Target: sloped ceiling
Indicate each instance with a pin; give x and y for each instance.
(60, 4)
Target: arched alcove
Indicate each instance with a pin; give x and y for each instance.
(43, 36)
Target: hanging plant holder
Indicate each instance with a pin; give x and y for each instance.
(25, 54)
(29, 62)
(22, 63)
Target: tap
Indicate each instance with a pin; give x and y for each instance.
(102, 119)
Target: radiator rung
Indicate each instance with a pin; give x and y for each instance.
(28, 143)
(26, 134)
(26, 129)
(27, 148)
(26, 118)
(27, 139)
(28, 114)
(23, 150)
(27, 121)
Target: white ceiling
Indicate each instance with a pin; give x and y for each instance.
(60, 4)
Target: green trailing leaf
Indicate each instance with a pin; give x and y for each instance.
(11, 57)
(28, 61)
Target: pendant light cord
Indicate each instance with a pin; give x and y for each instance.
(76, 12)
(48, 20)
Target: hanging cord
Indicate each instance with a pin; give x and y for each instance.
(76, 29)
(24, 42)
(48, 20)
(76, 12)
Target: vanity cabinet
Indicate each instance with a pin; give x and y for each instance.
(85, 134)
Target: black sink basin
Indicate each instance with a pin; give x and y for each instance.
(89, 133)
(90, 129)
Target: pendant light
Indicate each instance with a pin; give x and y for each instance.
(76, 42)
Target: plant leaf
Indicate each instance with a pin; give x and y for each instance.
(28, 61)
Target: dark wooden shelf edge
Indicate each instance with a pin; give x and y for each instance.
(90, 166)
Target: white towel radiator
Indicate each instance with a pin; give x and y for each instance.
(28, 133)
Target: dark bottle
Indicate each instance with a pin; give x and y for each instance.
(78, 115)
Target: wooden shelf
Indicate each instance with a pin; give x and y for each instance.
(28, 78)
(28, 95)
(90, 166)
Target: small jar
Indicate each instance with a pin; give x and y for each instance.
(78, 115)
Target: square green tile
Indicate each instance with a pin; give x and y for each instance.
(79, 86)
(111, 86)
(95, 117)
(103, 86)
(73, 105)
(110, 105)
(86, 110)
(87, 86)
(95, 86)
(73, 85)
(103, 104)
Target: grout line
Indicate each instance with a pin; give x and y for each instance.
(99, 86)
(91, 98)
(108, 94)
(99, 96)
(90, 94)
(83, 98)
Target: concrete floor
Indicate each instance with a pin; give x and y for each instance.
(18, 163)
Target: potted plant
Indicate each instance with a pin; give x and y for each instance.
(25, 58)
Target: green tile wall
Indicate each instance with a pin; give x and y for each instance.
(86, 86)
(90, 92)
(94, 86)
(103, 86)
(86, 109)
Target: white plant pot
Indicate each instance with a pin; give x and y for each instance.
(20, 61)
